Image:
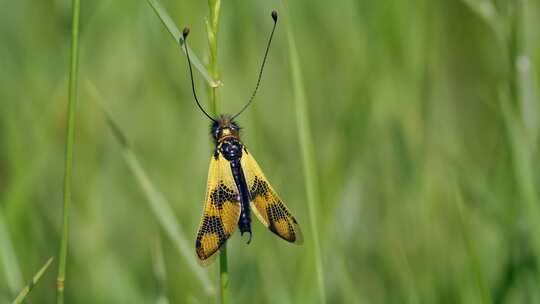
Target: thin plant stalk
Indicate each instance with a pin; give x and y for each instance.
(223, 275)
(72, 99)
(308, 159)
(26, 290)
(212, 27)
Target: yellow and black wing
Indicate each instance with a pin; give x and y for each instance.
(221, 211)
(267, 205)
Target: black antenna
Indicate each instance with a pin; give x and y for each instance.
(185, 33)
(274, 17)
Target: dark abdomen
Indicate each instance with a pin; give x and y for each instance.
(231, 149)
(244, 223)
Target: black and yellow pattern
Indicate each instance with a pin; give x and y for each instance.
(267, 205)
(221, 211)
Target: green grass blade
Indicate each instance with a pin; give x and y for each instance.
(26, 290)
(177, 36)
(223, 275)
(308, 158)
(8, 258)
(526, 78)
(523, 171)
(522, 148)
(212, 26)
(70, 134)
(160, 272)
(470, 246)
(212, 29)
(157, 202)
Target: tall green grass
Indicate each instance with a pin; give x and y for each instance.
(423, 118)
(212, 30)
(27, 289)
(70, 137)
(520, 114)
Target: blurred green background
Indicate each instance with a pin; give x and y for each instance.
(424, 117)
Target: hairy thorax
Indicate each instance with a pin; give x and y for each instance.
(230, 148)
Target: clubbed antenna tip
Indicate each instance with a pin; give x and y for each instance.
(274, 15)
(185, 32)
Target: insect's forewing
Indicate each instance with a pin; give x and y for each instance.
(221, 211)
(267, 205)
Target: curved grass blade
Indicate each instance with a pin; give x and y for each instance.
(308, 157)
(158, 204)
(26, 290)
(177, 36)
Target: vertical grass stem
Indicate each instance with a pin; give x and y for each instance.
(72, 98)
(212, 26)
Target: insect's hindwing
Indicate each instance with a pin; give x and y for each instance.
(221, 211)
(267, 205)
